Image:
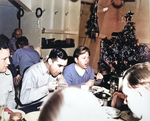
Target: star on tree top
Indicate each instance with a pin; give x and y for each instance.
(129, 16)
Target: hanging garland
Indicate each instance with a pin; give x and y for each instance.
(92, 24)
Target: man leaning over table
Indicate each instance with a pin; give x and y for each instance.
(7, 92)
(136, 89)
(43, 77)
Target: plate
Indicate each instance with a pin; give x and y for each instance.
(32, 116)
(111, 112)
(125, 115)
(102, 95)
(96, 89)
(16, 110)
(6, 115)
(128, 116)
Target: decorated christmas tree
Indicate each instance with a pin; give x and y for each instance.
(122, 51)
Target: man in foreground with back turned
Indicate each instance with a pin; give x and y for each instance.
(43, 77)
(136, 87)
(136, 91)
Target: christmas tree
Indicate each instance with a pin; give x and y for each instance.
(121, 52)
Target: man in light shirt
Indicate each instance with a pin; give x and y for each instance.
(43, 77)
(7, 93)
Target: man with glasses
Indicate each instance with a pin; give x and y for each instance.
(12, 43)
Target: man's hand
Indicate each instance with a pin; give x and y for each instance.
(120, 95)
(52, 85)
(62, 85)
(90, 83)
(17, 80)
(117, 100)
(99, 76)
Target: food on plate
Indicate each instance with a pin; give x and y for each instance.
(102, 95)
(16, 116)
(97, 88)
(8, 110)
(106, 90)
(111, 112)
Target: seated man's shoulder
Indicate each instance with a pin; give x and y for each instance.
(70, 66)
(18, 51)
(35, 68)
(8, 72)
(12, 40)
(90, 68)
(31, 51)
(7, 76)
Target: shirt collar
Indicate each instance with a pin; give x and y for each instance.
(27, 47)
(6, 73)
(80, 71)
(44, 69)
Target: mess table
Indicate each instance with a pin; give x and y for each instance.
(123, 115)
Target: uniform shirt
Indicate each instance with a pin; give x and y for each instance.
(34, 83)
(7, 92)
(76, 76)
(25, 57)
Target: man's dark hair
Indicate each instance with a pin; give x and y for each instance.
(58, 52)
(22, 41)
(81, 50)
(4, 41)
